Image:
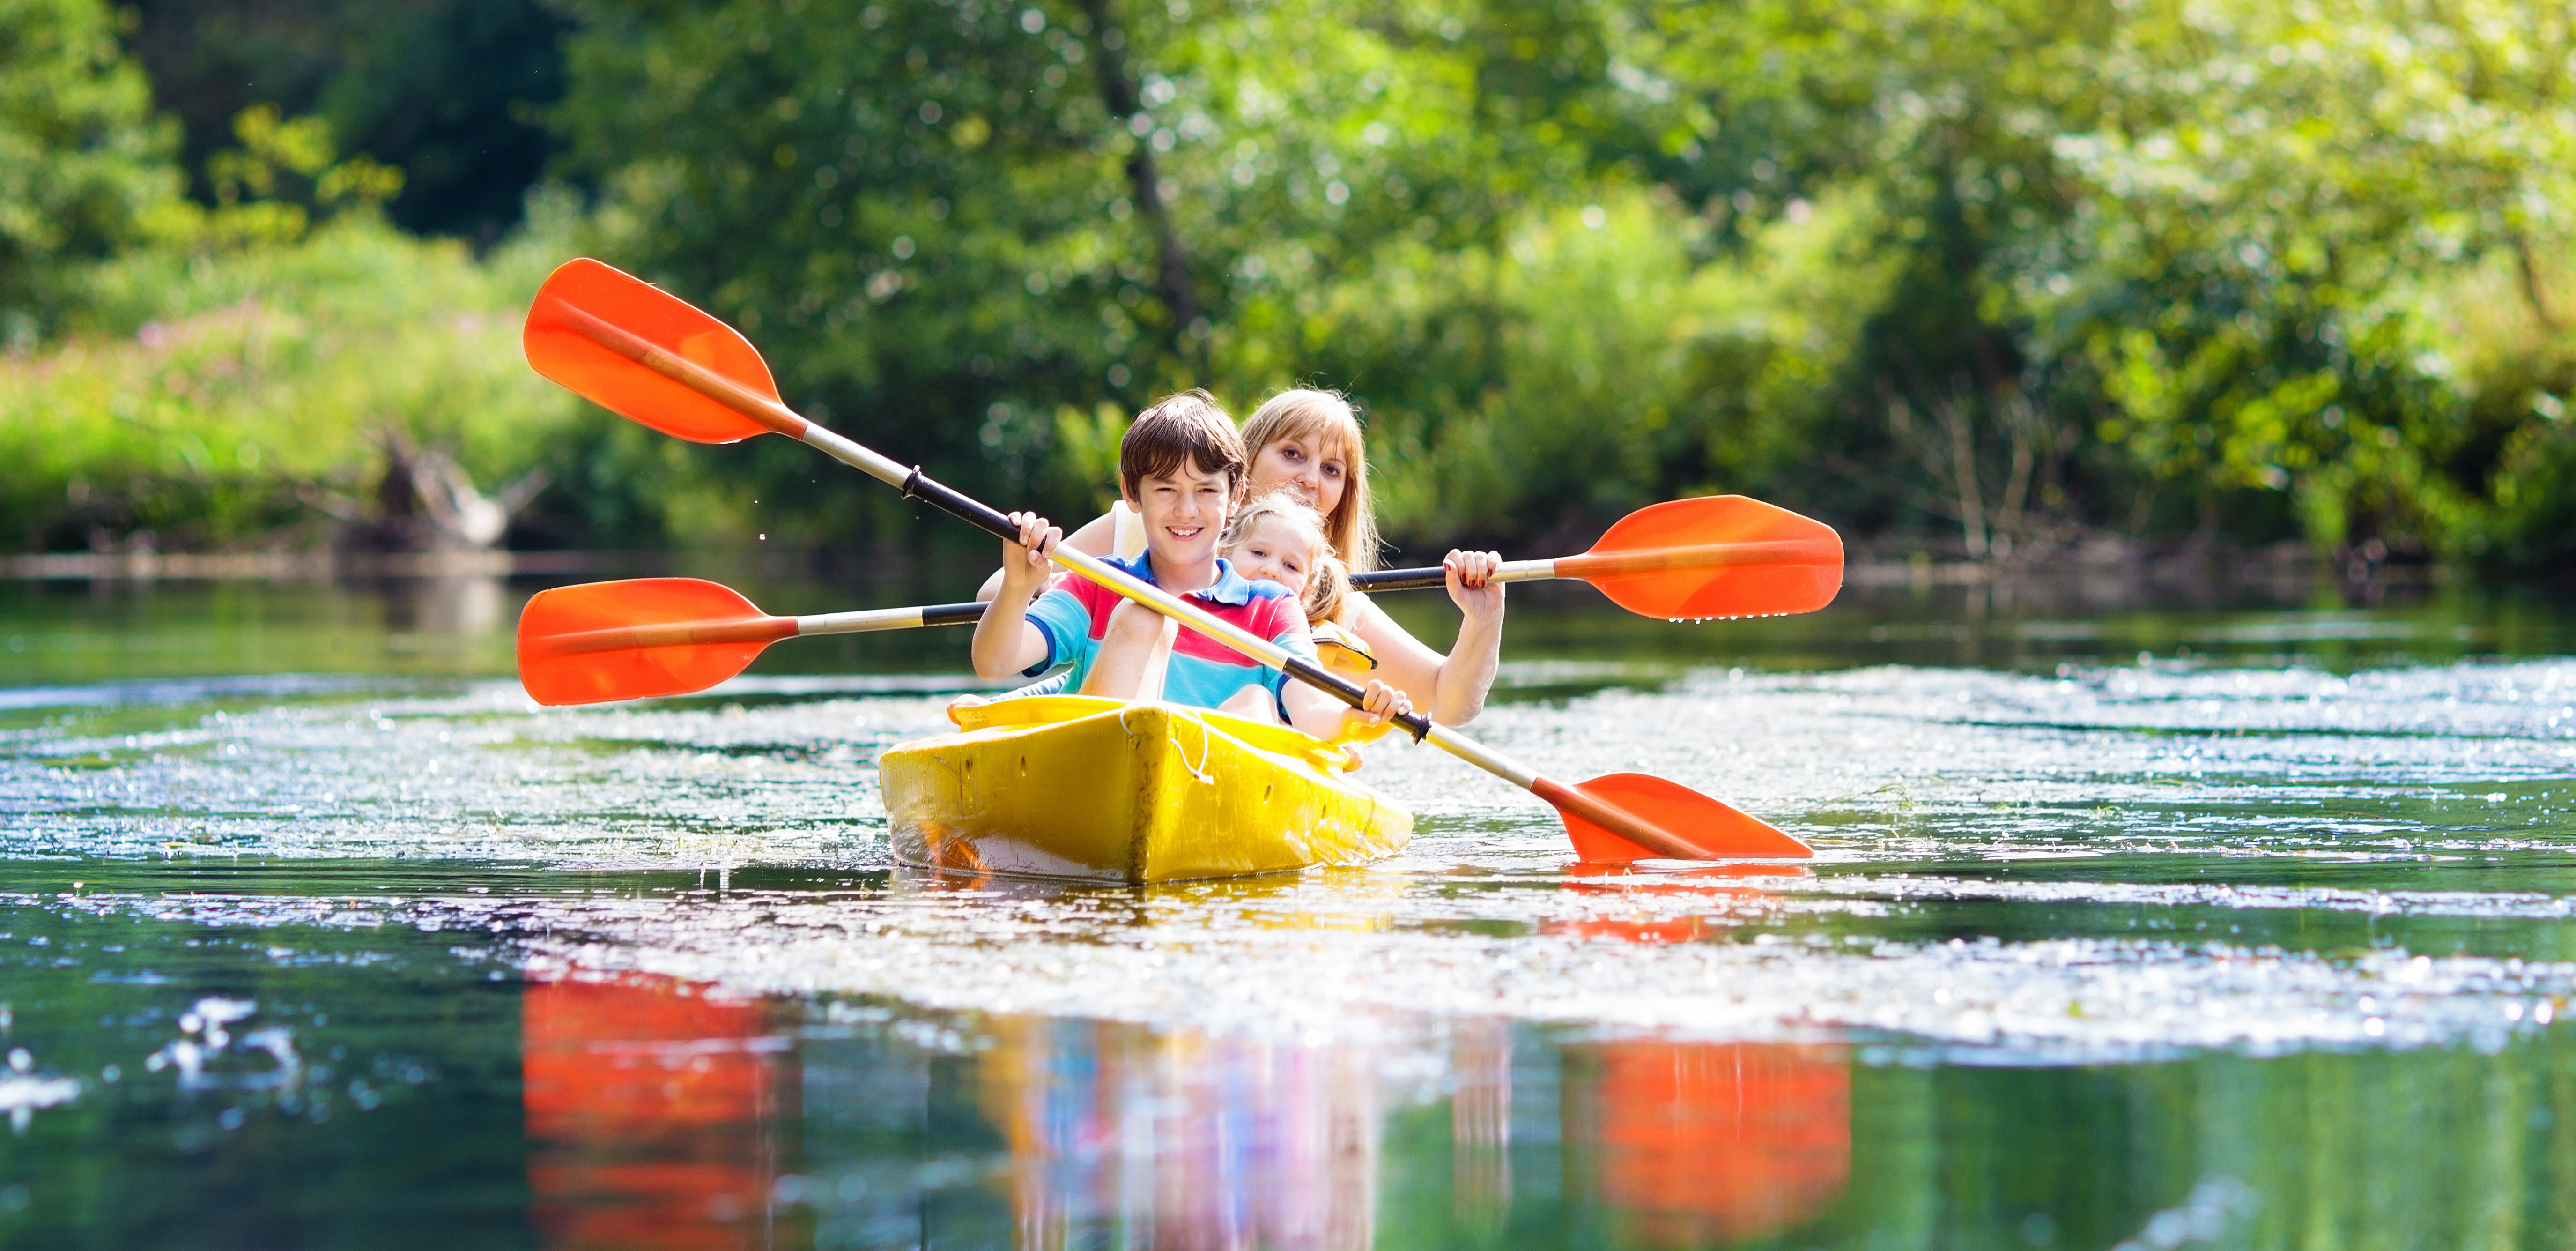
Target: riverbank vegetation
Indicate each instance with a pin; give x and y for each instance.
(1993, 280)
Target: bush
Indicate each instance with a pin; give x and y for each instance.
(218, 390)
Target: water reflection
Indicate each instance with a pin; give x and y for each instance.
(1717, 898)
(1690, 1144)
(1123, 1136)
(2116, 944)
(1117, 1135)
(1480, 1125)
(446, 606)
(658, 1116)
(467, 1108)
(661, 1116)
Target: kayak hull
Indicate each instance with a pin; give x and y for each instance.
(1103, 790)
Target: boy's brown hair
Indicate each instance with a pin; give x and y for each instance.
(1184, 429)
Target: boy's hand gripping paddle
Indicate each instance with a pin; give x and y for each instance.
(650, 357)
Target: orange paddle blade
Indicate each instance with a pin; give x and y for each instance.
(638, 639)
(1716, 556)
(1685, 817)
(585, 302)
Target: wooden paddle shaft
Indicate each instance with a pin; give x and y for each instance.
(1608, 564)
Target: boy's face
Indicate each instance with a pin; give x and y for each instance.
(1184, 512)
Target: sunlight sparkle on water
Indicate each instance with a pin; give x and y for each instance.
(2114, 862)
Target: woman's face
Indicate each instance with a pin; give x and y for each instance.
(1275, 550)
(1312, 466)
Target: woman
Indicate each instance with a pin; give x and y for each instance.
(1308, 442)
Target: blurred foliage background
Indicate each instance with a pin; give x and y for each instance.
(1995, 280)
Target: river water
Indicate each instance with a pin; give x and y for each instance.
(2201, 916)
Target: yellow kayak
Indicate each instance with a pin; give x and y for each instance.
(1073, 786)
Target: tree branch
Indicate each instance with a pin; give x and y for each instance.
(1172, 280)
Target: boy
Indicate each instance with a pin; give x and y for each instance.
(1181, 467)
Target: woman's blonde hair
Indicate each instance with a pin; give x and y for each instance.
(1328, 585)
(1307, 413)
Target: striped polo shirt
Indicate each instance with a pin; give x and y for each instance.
(1204, 673)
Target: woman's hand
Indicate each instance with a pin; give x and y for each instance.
(1025, 564)
(1471, 584)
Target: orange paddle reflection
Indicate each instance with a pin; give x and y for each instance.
(1691, 1144)
(653, 1114)
(1726, 885)
(1699, 1143)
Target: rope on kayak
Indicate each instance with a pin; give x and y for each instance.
(1198, 770)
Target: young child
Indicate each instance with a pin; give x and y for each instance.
(1279, 538)
(1180, 468)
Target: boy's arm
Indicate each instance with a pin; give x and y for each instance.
(1323, 716)
(1312, 710)
(1005, 642)
(1097, 537)
(1309, 709)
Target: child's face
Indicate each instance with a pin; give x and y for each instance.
(1184, 512)
(1275, 550)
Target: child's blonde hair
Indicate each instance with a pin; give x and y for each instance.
(1328, 584)
(1328, 590)
(1326, 417)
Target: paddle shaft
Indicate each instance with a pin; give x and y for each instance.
(1607, 564)
(759, 629)
(913, 483)
(768, 629)
(772, 629)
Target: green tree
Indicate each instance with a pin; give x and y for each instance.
(2280, 207)
(955, 224)
(85, 168)
(449, 91)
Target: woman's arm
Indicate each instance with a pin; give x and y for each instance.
(1452, 687)
(1097, 537)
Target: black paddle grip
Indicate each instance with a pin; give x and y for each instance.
(952, 614)
(1341, 688)
(1400, 579)
(966, 508)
